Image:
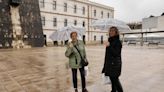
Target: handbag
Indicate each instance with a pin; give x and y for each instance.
(84, 61)
(105, 79)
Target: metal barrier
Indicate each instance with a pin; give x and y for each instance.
(142, 35)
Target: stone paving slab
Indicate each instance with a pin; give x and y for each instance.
(45, 70)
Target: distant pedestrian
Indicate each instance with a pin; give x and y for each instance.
(75, 50)
(113, 62)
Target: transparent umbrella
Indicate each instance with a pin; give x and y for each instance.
(63, 34)
(105, 24)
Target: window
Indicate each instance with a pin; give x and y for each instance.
(95, 38)
(108, 15)
(65, 22)
(42, 3)
(94, 13)
(54, 4)
(55, 22)
(83, 10)
(43, 21)
(75, 22)
(102, 38)
(102, 14)
(65, 7)
(83, 23)
(75, 8)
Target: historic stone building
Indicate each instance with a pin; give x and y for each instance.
(20, 24)
(59, 13)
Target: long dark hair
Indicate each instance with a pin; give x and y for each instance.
(116, 30)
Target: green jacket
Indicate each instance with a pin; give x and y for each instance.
(74, 56)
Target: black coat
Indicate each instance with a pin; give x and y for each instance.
(113, 62)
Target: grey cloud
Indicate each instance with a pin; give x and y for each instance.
(134, 10)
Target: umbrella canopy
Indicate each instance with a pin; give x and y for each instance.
(63, 34)
(105, 24)
(54, 36)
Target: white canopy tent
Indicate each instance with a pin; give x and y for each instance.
(152, 35)
(132, 36)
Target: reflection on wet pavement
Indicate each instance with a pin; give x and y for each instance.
(45, 70)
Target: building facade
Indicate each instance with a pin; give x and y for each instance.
(155, 23)
(56, 14)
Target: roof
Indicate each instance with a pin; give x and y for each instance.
(94, 4)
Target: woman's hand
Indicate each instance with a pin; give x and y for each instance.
(107, 44)
(70, 45)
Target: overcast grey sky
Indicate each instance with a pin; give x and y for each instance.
(134, 10)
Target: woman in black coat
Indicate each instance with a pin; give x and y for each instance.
(113, 63)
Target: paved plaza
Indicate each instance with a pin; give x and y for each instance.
(46, 70)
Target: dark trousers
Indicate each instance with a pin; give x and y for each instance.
(116, 85)
(74, 76)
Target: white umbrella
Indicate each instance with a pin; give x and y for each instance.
(54, 36)
(105, 24)
(63, 34)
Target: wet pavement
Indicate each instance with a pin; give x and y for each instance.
(45, 70)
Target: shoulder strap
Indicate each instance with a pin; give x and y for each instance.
(78, 52)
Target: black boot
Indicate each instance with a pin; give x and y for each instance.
(84, 90)
(76, 90)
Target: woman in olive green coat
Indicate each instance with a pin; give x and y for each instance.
(75, 60)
